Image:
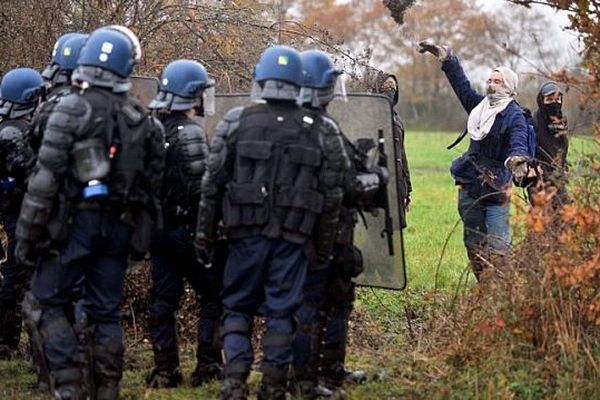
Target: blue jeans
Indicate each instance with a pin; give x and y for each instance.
(485, 226)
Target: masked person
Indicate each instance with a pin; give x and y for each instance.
(552, 143)
(321, 340)
(103, 157)
(483, 173)
(21, 91)
(273, 179)
(185, 92)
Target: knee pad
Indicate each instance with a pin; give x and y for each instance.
(236, 328)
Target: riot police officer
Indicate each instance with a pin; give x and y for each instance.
(103, 156)
(21, 90)
(51, 72)
(64, 60)
(273, 179)
(65, 55)
(185, 92)
(320, 343)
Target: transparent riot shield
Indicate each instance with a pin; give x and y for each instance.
(144, 88)
(377, 233)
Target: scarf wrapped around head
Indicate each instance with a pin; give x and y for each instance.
(482, 117)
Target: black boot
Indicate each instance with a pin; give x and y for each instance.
(234, 385)
(67, 384)
(209, 364)
(163, 331)
(303, 382)
(273, 384)
(233, 389)
(108, 369)
(10, 329)
(167, 373)
(334, 372)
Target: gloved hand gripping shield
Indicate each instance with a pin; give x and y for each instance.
(367, 118)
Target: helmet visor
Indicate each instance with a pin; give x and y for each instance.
(208, 100)
(339, 90)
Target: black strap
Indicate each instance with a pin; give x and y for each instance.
(458, 139)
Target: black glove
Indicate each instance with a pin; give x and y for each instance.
(204, 250)
(440, 52)
(382, 172)
(26, 254)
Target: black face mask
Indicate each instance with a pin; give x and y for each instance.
(553, 109)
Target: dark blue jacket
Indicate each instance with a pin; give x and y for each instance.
(481, 169)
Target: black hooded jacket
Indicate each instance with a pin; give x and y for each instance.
(553, 144)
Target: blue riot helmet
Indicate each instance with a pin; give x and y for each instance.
(21, 90)
(67, 57)
(185, 84)
(107, 60)
(278, 74)
(51, 69)
(322, 80)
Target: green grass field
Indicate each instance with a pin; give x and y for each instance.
(384, 320)
(433, 239)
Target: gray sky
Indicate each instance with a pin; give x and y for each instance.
(566, 40)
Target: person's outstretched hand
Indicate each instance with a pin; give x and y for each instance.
(428, 46)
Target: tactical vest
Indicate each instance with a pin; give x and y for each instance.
(275, 185)
(121, 125)
(186, 154)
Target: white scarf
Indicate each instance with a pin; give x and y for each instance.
(482, 117)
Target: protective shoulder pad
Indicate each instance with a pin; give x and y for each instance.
(73, 112)
(234, 114)
(331, 124)
(190, 130)
(133, 111)
(229, 123)
(10, 133)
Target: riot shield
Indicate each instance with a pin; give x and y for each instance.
(144, 88)
(378, 234)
